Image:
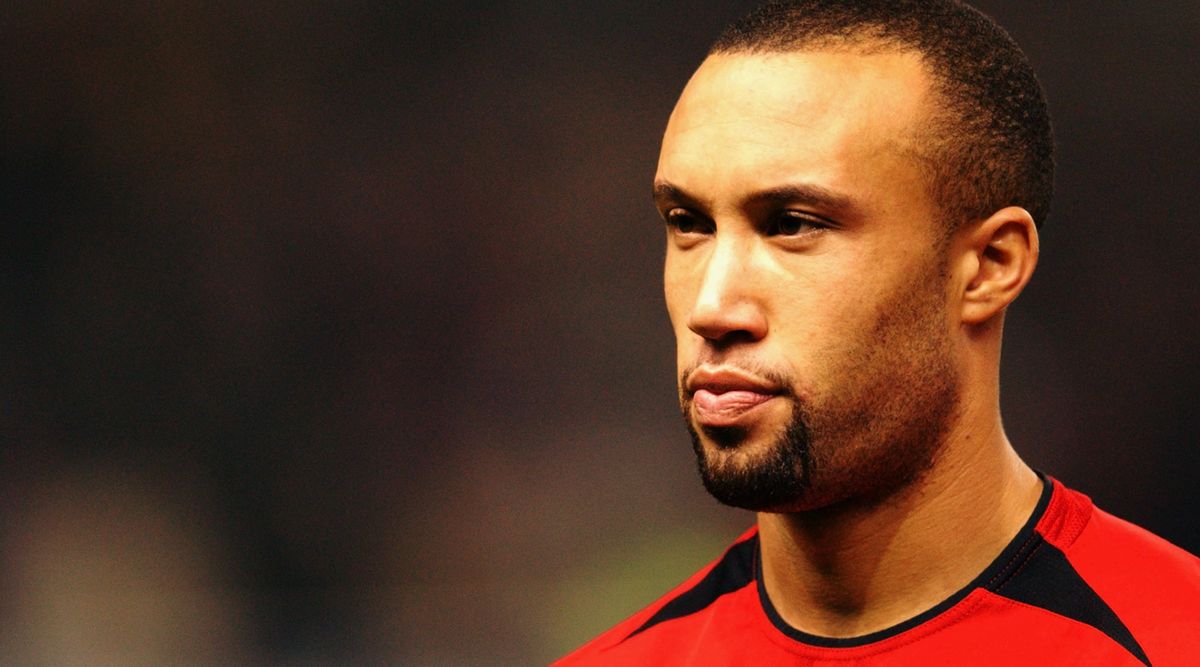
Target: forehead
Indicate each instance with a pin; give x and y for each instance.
(839, 119)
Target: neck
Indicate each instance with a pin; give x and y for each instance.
(852, 569)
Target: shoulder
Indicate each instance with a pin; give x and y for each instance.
(1111, 544)
(653, 634)
(1119, 555)
(1152, 585)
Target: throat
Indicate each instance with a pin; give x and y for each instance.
(847, 572)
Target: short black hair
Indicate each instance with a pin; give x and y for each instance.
(990, 145)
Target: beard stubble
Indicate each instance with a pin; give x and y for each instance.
(892, 398)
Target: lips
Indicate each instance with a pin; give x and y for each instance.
(725, 409)
(727, 397)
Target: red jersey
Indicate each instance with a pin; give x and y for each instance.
(1076, 586)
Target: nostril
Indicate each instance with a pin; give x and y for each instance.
(741, 322)
(732, 338)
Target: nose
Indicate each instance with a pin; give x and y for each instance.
(728, 307)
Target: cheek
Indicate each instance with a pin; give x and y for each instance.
(678, 293)
(825, 332)
(676, 297)
(817, 316)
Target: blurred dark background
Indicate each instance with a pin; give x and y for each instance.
(333, 333)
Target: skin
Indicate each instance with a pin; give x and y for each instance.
(842, 292)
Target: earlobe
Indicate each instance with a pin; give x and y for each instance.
(1003, 253)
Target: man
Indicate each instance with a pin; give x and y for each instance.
(852, 192)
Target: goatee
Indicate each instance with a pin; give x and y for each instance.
(762, 482)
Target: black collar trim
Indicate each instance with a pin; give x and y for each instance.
(1017, 551)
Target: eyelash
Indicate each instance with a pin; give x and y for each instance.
(793, 217)
(677, 218)
(685, 222)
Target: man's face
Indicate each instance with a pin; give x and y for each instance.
(805, 277)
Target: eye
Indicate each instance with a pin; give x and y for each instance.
(794, 223)
(683, 221)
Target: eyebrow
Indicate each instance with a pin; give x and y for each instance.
(666, 193)
(795, 193)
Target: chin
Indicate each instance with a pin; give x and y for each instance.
(758, 473)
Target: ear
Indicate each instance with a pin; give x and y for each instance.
(997, 257)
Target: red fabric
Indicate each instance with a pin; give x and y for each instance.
(1152, 586)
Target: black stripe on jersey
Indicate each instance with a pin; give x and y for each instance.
(735, 570)
(1047, 579)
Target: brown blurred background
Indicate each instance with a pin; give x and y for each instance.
(333, 333)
